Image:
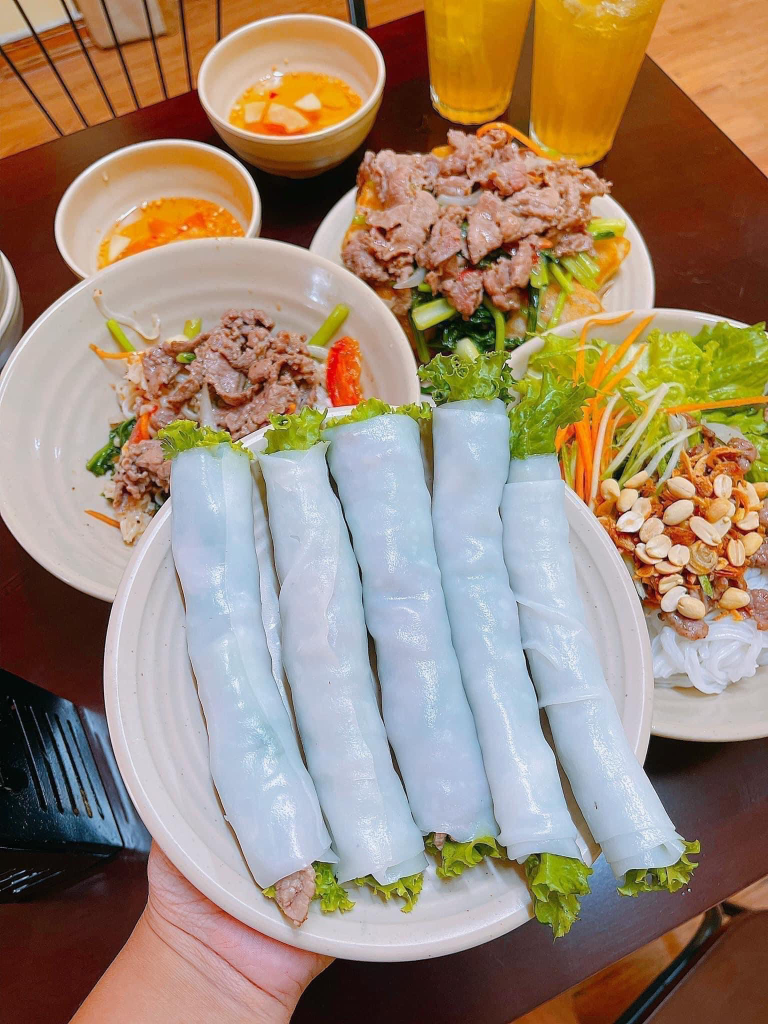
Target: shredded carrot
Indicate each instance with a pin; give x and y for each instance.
(560, 437)
(623, 348)
(597, 374)
(584, 441)
(516, 134)
(588, 325)
(544, 243)
(102, 518)
(725, 403)
(577, 474)
(103, 354)
(141, 431)
(623, 372)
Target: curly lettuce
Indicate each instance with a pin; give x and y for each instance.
(407, 888)
(332, 896)
(453, 379)
(296, 432)
(661, 879)
(373, 407)
(556, 884)
(183, 435)
(456, 857)
(546, 404)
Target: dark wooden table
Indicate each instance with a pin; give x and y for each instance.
(703, 208)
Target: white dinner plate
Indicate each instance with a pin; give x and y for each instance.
(740, 712)
(633, 287)
(158, 733)
(57, 398)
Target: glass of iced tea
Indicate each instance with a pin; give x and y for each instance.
(474, 48)
(586, 56)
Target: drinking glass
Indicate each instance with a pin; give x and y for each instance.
(586, 56)
(474, 49)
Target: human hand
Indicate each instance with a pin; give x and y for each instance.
(231, 952)
(188, 962)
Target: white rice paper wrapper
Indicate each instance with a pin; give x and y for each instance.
(615, 795)
(267, 794)
(377, 466)
(471, 458)
(325, 649)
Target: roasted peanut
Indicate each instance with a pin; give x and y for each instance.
(723, 525)
(610, 489)
(626, 499)
(643, 506)
(678, 511)
(659, 546)
(736, 552)
(669, 582)
(734, 598)
(752, 542)
(679, 554)
(681, 487)
(718, 508)
(749, 522)
(670, 600)
(630, 522)
(642, 553)
(691, 607)
(723, 485)
(651, 528)
(762, 489)
(666, 568)
(638, 479)
(704, 531)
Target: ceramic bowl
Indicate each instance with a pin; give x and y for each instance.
(114, 185)
(11, 310)
(295, 42)
(159, 737)
(44, 485)
(740, 712)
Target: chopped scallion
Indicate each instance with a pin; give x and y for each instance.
(499, 324)
(193, 327)
(539, 275)
(360, 220)
(327, 330)
(557, 312)
(562, 278)
(605, 227)
(186, 357)
(432, 313)
(120, 336)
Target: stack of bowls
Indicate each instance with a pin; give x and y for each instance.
(11, 312)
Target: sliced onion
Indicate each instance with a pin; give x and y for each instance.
(470, 200)
(410, 282)
(318, 352)
(722, 431)
(126, 321)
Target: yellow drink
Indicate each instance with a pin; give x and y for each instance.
(586, 57)
(474, 48)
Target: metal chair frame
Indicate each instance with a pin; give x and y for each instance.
(355, 8)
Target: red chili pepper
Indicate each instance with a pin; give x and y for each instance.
(141, 431)
(342, 374)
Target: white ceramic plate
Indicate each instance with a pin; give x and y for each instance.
(160, 742)
(683, 713)
(11, 310)
(56, 398)
(634, 286)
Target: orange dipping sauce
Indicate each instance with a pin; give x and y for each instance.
(161, 221)
(294, 103)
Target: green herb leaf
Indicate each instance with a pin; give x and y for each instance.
(295, 433)
(331, 894)
(556, 883)
(452, 379)
(373, 407)
(661, 879)
(456, 857)
(706, 586)
(546, 403)
(182, 435)
(103, 461)
(480, 328)
(186, 357)
(407, 888)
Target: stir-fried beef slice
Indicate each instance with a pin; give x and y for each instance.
(505, 280)
(758, 609)
(463, 147)
(446, 239)
(359, 258)
(398, 177)
(453, 185)
(294, 894)
(760, 558)
(572, 242)
(409, 227)
(532, 201)
(460, 284)
(483, 231)
(283, 395)
(160, 368)
(689, 629)
(181, 343)
(142, 467)
(748, 450)
(576, 186)
(507, 178)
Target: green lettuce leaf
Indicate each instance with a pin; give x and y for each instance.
(182, 435)
(373, 407)
(453, 379)
(103, 461)
(546, 403)
(408, 888)
(456, 857)
(661, 879)
(295, 433)
(556, 883)
(675, 358)
(737, 358)
(332, 896)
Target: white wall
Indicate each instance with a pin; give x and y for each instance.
(43, 14)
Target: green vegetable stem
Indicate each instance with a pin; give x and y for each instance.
(120, 336)
(103, 461)
(333, 322)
